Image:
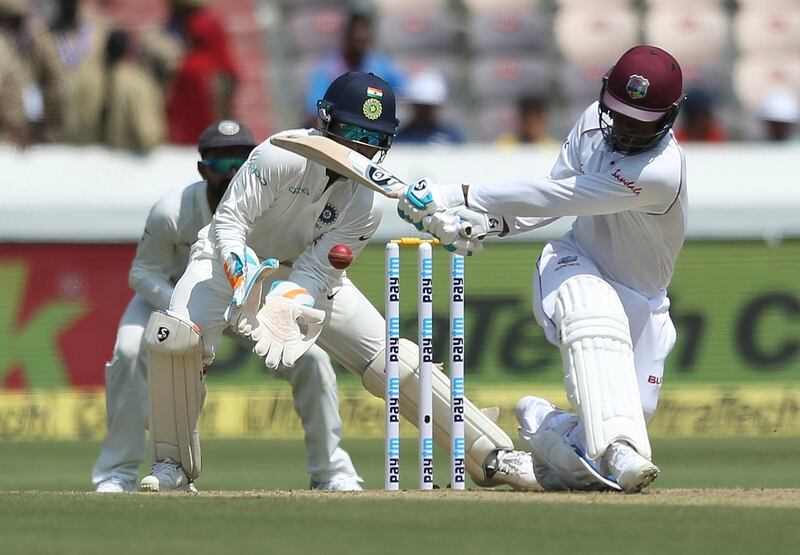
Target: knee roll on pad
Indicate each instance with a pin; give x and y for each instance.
(482, 435)
(599, 372)
(177, 389)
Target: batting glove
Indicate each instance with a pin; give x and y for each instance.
(449, 227)
(425, 198)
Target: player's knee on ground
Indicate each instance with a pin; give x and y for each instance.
(177, 389)
(599, 372)
(482, 435)
(556, 463)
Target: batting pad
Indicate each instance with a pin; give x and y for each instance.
(599, 371)
(482, 435)
(177, 389)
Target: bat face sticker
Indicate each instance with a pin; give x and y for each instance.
(382, 178)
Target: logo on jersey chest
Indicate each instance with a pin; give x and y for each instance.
(566, 262)
(629, 183)
(328, 214)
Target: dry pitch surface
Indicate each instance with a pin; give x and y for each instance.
(706, 497)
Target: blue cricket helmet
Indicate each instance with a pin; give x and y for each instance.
(360, 100)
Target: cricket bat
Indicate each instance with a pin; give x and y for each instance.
(348, 163)
(344, 161)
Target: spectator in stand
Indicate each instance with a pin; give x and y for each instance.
(534, 124)
(81, 40)
(779, 113)
(41, 74)
(163, 46)
(133, 118)
(203, 88)
(357, 54)
(13, 124)
(426, 93)
(698, 120)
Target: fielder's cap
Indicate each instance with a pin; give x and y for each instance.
(779, 106)
(225, 133)
(426, 87)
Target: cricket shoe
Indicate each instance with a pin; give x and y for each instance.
(338, 482)
(631, 471)
(115, 484)
(511, 468)
(166, 476)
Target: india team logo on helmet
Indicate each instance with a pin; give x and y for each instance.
(372, 108)
(637, 87)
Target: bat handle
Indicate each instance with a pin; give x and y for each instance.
(466, 229)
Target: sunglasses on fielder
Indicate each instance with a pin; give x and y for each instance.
(224, 166)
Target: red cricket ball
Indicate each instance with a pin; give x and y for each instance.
(340, 257)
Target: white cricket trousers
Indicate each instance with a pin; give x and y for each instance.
(651, 328)
(122, 452)
(124, 448)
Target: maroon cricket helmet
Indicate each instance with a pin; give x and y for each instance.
(645, 84)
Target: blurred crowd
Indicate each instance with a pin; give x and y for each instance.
(503, 71)
(67, 76)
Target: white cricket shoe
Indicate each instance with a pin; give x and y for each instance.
(115, 484)
(339, 482)
(632, 471)
(166, 476)
(511, 468)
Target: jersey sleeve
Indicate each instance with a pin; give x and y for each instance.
(518, 225)
(651, 188)
(312, 269)
(569, 159)
(252, 190)
(584, 195)
(155, 254)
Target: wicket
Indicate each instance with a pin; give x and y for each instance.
(425, 342)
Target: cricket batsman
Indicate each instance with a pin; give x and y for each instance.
(161, 258)
(262, 267)
(601, 290)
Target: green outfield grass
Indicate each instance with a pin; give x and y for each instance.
(225, 518)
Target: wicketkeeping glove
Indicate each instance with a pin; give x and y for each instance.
(288, 324)
(246, 275)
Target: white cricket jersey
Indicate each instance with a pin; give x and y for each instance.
(278, 205)
(631, 209)
(163, 251)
